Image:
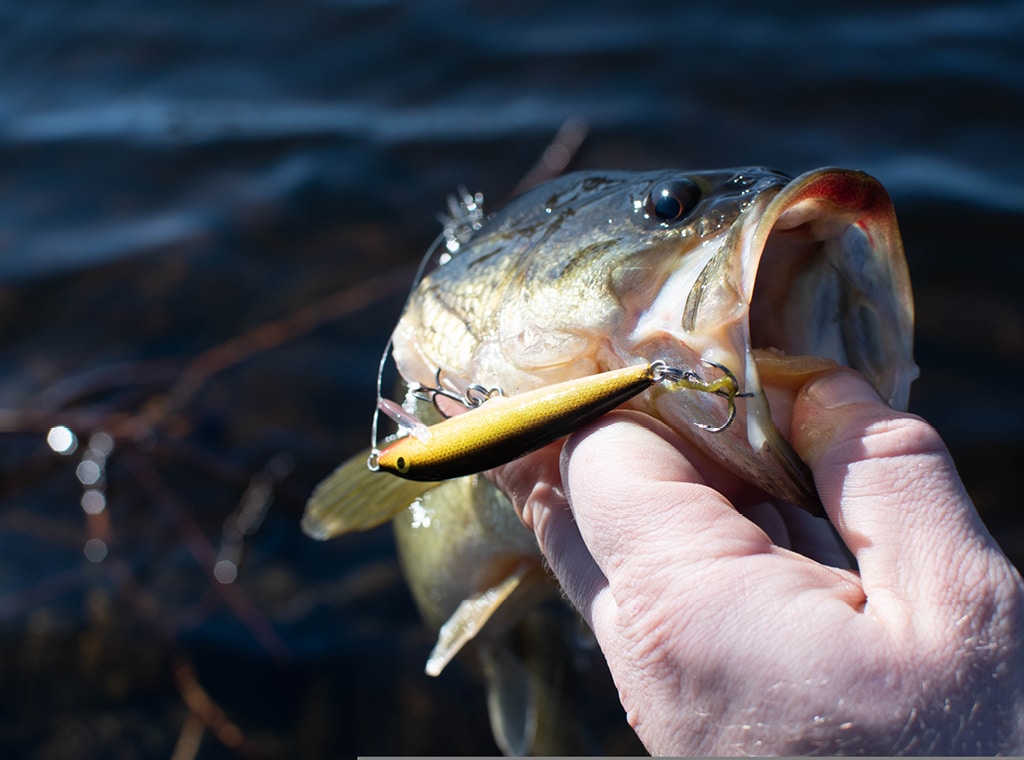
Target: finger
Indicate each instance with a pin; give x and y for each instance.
(666, 543)
(891, 489)
(533, 484)
(637, 499)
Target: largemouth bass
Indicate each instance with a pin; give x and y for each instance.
(770, 277)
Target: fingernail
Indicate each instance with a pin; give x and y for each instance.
(842, 388)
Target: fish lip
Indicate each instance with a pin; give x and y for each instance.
(847, 218)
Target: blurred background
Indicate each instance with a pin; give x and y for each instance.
(209, 216)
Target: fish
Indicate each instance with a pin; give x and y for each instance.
(772, 277)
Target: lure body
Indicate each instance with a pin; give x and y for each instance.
(505, 428)
(501, 429)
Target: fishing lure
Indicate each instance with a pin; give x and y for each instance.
(502, 428)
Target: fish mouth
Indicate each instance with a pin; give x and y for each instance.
(824, 274)
(819, 278)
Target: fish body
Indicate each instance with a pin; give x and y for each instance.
(771, 277)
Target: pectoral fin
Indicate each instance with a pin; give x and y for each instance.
(353, 498)
(471, 615)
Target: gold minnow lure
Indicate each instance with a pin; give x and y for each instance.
(496, 432)
(505, 428)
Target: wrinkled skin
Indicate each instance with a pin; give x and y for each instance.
(736, 632)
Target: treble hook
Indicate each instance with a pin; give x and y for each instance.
(729, 394)
(727, 387)
(473, 396)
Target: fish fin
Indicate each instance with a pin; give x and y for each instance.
(511, 701)
(531, 702)
(354, 498)
(471, 615)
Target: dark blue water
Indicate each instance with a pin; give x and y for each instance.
(174, 175)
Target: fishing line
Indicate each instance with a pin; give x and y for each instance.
(420, 271)
(465, 216)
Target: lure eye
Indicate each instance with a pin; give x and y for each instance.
(402, 465)
(672, 201)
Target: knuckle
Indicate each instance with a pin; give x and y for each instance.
(901, 436)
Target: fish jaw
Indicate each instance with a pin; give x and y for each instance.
(812, 275)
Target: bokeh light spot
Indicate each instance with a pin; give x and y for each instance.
(94, 501)
(88, 472)
(62, 440)
(95, 550)
(225, 571)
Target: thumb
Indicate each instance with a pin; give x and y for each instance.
(891, 489)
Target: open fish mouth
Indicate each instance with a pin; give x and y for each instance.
(817, 274)
(831, 279)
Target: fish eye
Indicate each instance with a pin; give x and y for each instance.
(671, 201)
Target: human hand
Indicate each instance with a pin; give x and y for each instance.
(746, 631)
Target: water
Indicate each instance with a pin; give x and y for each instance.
(174, 175)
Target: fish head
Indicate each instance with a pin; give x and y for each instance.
(770, 277)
